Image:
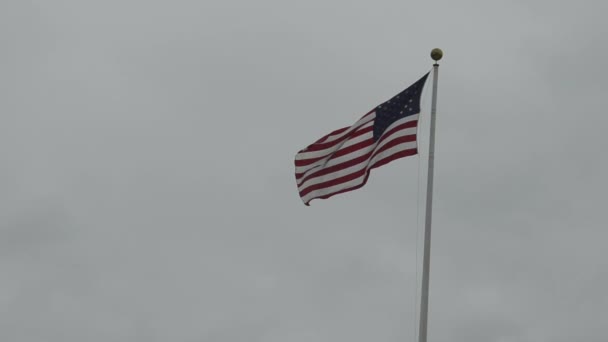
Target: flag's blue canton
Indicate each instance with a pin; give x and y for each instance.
(403, 104)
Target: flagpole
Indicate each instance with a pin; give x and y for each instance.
(436, 54)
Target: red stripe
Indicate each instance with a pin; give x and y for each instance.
(337, 167)
(333, 154)
(352, 148)
(358, 146)
(336, 132)
(356, 133)
(349, 163)
(409, 124)
(333, 182)
(322, 146)
(356, 174)
(401, 154)
(396, 141)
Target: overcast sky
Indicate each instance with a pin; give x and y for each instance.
(146, 171)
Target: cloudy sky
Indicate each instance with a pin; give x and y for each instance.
(147, 188)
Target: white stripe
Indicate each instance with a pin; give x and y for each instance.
(334, 148)
(356, 181)
(324, 163)
(356, 154)
(333, 189)
(355, 168)
(390, 151)
(365, 119)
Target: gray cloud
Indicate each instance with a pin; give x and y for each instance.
(147, 181)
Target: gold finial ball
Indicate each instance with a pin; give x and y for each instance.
(436, 54)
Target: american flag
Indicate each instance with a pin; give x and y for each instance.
(341, 161)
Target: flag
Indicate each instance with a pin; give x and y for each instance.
(341, 161)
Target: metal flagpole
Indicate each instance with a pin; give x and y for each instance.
(436, 54)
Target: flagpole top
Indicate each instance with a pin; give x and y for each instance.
(436, 54)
